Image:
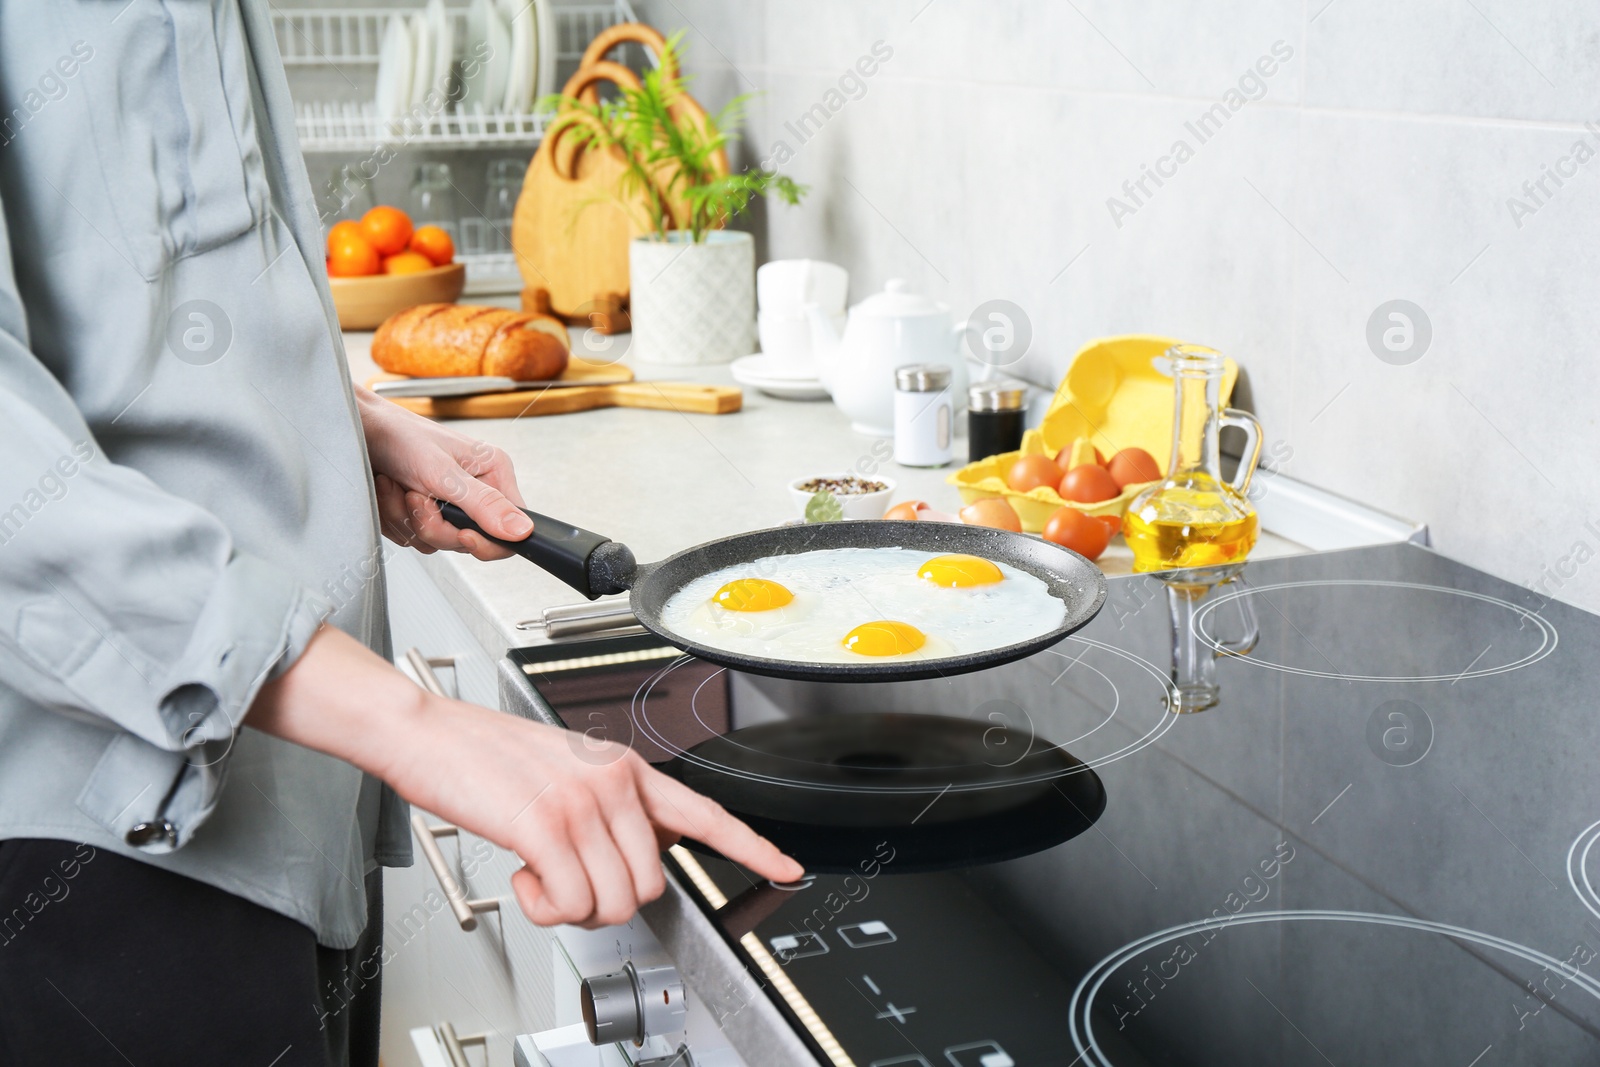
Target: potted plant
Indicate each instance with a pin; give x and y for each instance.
(692, 282)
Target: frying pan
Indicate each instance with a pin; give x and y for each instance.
(595, 565)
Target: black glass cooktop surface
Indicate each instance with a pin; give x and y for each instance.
(1340, 811)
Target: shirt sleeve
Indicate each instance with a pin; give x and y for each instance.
(127, 606)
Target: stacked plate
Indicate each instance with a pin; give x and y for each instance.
(508, 59)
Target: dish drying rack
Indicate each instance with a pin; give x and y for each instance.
(339, 37)
(352, 37)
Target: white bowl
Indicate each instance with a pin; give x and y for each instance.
(855, 505)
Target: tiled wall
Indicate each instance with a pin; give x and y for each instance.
(1377, 161)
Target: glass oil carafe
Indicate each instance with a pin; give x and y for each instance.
(1192, 517)
(1195, 655)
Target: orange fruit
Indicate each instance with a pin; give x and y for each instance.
(341, 231)
(352, 257)
(406, 263)
(388, 229)
(434, 243)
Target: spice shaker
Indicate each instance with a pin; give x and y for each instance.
(995, 413)
(923, 415)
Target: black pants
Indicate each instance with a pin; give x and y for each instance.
(106, 960)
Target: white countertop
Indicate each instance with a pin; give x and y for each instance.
(660, 481)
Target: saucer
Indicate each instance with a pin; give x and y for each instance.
(758, 373)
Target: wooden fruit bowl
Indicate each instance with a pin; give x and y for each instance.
(363, 303)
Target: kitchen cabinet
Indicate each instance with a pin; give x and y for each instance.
(497, 979)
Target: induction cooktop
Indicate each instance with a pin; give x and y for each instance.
(1371, 841)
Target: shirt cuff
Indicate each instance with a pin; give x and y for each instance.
(155, 787)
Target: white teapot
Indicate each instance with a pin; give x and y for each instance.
(884, 331)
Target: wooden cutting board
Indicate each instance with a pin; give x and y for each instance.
(659, 396)
(574, 217)
(573, 220)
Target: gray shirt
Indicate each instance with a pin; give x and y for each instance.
(184, 491)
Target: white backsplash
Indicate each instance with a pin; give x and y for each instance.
(1374, 163)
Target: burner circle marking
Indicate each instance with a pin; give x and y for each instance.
(1080, 1018)
(1547, 641)
(642, 720)
(1578, 868)
(1168, 718)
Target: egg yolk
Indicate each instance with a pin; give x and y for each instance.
(959, 572)
(884, 638)
(752, 594)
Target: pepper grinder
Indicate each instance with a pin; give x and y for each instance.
(995, 415)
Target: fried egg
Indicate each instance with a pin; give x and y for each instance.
(959, 572)
(885, 637)
(860, 605)
(752, 594)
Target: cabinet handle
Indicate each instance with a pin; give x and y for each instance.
(573, 620)
(454, 1049)
(466, 910)
(424, 669)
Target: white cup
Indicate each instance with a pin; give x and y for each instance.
(786, 342)
(786, 286)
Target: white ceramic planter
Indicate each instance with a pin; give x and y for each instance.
(692, 303)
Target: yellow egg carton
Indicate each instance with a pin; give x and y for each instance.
(1115, 395)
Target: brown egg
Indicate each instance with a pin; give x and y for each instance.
(1084, 534)
(1133, 465)
(1064, 457)
(1030, 472)
(992, 512)
(906, 512)
(1088, 483)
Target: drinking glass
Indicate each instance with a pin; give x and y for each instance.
(505, 185)
(434, 201)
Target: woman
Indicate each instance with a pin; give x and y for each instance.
(205, 752)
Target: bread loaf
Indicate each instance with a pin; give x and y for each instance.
(451, 340)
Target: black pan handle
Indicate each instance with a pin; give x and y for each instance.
(593, 565)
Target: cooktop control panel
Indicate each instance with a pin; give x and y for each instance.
(912, 970)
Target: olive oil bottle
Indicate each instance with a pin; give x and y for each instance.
(1192, 517)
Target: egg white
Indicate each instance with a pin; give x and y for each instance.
(838, 589)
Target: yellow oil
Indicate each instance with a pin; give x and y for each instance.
(1194, 522)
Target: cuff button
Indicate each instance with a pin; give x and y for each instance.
(146, 834)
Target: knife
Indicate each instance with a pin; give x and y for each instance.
(471, 385)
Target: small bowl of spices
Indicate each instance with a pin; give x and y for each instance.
(856, 497)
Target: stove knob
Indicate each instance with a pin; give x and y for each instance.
(633, 1004)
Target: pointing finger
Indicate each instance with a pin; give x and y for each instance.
(675, 806)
